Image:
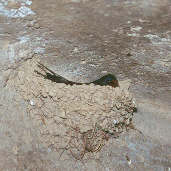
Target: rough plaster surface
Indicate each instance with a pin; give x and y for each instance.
(81, 39)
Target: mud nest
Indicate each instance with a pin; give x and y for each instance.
(78, 118)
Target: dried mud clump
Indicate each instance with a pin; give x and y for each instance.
(78, 117)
